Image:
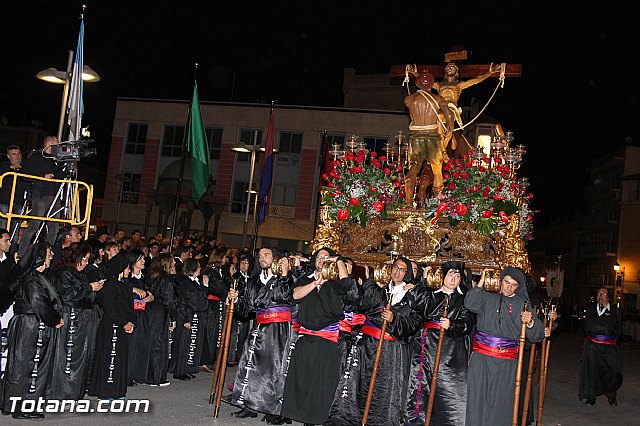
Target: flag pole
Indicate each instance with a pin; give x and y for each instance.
(183, 159)
(319, 194)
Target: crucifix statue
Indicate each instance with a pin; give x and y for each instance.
(449, 89)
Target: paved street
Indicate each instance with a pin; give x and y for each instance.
(186, 403)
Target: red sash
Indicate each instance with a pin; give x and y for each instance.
(139, 305)
(431, 324)
(358, 319)
(345, 325)
(601, 339)
(373, 331)
(212, 297)
(330, 332)
(271, 315)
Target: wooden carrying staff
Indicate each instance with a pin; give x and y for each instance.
(544, 368)
(374, 372)
(516, 392)
(221, 364)
(527, 389)
(436, 365)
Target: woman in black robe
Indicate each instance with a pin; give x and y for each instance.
(75, 346)
(139, 339)
(387, 406)
(32, 335)
(110, 371)
(162, 315)
(241, 326)
(192, 307)
(313, 373)
(214, 319)
(451, 389)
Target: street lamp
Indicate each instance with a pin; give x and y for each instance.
(619, 279)
(52, 75)
(242, 147)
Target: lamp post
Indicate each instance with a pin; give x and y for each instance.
(619, 279)
(52, 75)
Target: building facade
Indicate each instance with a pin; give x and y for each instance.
(146, 146)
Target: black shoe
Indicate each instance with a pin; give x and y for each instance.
(231, 364)
(279, 420)
(613, 402)
(184, 377)
(6, 413)
(27, 416)
(132, 383)
(193, 376)
(226, 398)
(591, 401)
(244, 413)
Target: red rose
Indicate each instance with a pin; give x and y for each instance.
(359, 169)
(487, 214)
(400, 168)
(383, 158)
(378, 206)
(456, 175)
(330, 185)
(360, 159)
(498, 197)
(325, 176)
(354, 201)
(505, 219)
(373, 154)
(446, 175)
(469, 165)
(442, 207)
(372, 188)
(376, 164)
(397, 183)
(528, 217)
(513, 185)
(452, 186)
(530, 196)
(350, 156)
(456, 161)
(487, 160)
(461, 209)
(343, 214)
(386, 171)
(464, 175)
(481, 169)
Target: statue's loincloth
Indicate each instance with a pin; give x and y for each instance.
(425, 147)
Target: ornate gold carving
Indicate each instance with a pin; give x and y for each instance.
(509, 245)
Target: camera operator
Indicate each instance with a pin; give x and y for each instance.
(43, 194)
(14, 156)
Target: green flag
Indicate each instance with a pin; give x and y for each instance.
(198, 147)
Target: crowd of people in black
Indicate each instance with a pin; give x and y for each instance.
(97, 316)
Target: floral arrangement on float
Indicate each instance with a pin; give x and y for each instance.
(485, 190)
(361, 185)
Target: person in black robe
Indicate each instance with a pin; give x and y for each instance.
(162, 316)
(75, 345)
(192, 307)
(451, 389)
(600, 367)
(139, 339)
(259, 382)
(492, 367)
(214, 317)
(110, 371)
(241, 326)
(313, 373)
(32, 335)
(387, 405)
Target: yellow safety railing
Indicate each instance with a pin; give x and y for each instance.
(76, 218)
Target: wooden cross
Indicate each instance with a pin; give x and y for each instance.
(465, 71)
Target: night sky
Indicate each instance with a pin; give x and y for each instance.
(578, 96)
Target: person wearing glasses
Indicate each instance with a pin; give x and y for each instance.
(600, 367)
(493, 363)
(451, 390)
(75, 344)
(387, 405)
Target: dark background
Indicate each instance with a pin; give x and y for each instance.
(577, 98)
